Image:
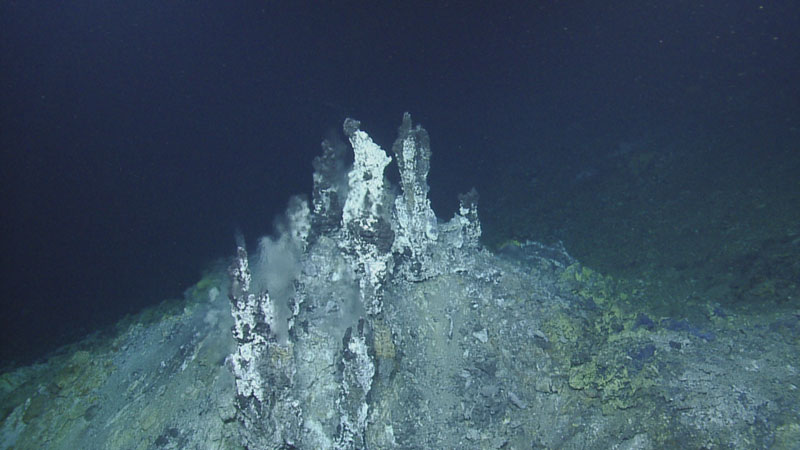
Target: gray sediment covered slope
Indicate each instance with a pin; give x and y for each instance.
(368, 322)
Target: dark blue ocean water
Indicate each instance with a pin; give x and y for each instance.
(137, 137)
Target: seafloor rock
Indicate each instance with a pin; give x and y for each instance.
(370, 323)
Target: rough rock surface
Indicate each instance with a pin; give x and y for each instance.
(400, 331)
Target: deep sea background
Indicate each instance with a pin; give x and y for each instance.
(138, 137)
